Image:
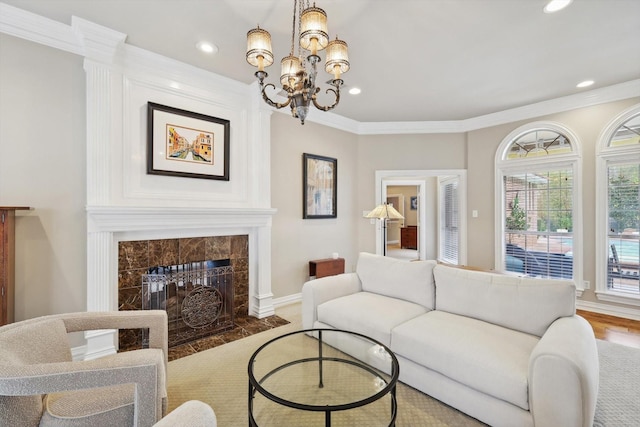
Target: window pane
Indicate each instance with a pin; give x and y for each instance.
(539, 223)
(627, 134)
(539, 143)
(624, 223)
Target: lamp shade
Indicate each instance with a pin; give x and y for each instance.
(259, 48)
(313, 29)
(384, 211)
(337, 58)
(291, 67)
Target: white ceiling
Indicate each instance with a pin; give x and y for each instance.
(415, 60)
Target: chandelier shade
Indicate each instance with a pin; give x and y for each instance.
(291, 67)
(337, 61)
(259, 48)
(313, 29)
(298, 76)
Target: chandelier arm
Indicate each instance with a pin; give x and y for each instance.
(336, 92)
(269, 101)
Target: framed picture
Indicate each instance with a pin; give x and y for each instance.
(186, 144)
(414, 203)
(320, 187)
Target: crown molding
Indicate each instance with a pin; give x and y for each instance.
(29, 26)
(612, 93)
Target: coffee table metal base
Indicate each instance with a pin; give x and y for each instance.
(386, 384)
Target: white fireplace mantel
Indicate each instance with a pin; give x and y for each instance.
(109, 225)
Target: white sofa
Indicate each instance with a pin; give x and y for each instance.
(507, 350)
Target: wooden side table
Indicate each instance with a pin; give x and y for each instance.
(326, 267)
(7, 259)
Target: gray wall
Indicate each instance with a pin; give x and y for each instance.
(295, 241)
(587, 123)
(42, 165)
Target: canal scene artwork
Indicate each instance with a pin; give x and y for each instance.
(187, 144)
(190, 145)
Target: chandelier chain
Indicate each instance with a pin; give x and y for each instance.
(293, 29)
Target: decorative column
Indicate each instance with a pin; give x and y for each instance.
(101, 47)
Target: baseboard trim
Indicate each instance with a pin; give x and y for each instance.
(289, 299)
(610, 310)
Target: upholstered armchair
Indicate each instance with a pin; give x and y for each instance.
(40, 384)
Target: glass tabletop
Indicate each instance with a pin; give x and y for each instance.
(323, 370)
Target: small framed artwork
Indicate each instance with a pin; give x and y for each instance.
(320, 187)
(414, 203)
(186, 144)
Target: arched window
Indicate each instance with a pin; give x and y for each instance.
(618, 209)
(538, 216)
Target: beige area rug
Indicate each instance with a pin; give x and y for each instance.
(219, 377)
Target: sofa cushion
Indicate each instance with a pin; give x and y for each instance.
(410, 281)
(485, 357)
(520, 303)
(369, 314)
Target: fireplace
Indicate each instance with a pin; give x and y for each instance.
(201, 282)
(123, 239)
(197, 296)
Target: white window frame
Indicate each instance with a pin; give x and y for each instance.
(505, 166)
(606, 156)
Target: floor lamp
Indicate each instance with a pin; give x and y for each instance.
(384, 212)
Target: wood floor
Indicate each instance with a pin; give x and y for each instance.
(614, 329)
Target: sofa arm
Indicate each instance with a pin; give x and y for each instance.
(317, 291)
(564, 375)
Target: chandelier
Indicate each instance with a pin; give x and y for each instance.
(297, 82)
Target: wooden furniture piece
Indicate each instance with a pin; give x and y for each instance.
(326, 267)
(7, 256)
(409, 237)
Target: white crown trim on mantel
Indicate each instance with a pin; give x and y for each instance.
(36, 28)
(126, 218)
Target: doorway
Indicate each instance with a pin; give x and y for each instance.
(429, 209)
(402, 234)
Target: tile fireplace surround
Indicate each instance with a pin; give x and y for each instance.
(135, 258)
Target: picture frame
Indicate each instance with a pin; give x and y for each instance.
(414, 203)
(186, 144)
(320, 187)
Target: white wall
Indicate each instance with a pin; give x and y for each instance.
(42, 165)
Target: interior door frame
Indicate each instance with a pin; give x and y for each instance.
(385, 178)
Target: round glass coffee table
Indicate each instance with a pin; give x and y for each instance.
(318, 377)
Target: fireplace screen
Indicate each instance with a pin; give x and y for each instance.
(197, 296)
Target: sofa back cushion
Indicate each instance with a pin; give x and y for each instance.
(519, 303)
(409, 281)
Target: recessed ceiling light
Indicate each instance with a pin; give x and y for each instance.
(207, 47)
(556, 5)
(585, 83)
(354, 91)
